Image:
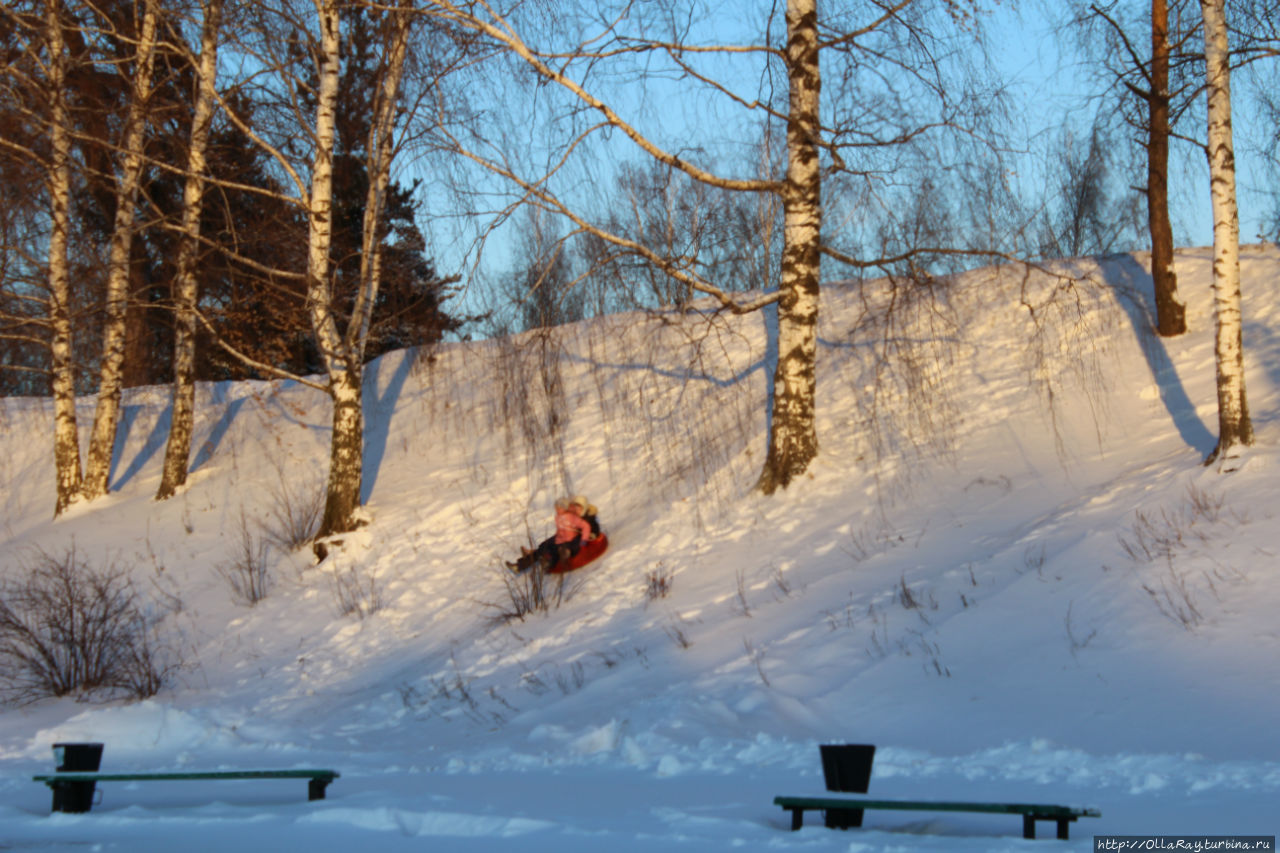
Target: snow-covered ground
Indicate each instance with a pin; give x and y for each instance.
(1008, 570)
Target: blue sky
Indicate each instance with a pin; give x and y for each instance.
(1050, 87)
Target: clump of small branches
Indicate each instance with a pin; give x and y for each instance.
(572, 680)
(451, 693)
(1161, 536)
(69, 629)
(531, 591)
(1154, 537)
(1164, 537)
(1175, 600)
(740, 604)
(657, 583)
(845, 617)
(878, 649)
(905, 596)
(1074, 639)
(675, 629)
(356, 591)
(928, 649)
(780, 582)
(756, 656)
(246, 572)
(293, 515)
(911, 600)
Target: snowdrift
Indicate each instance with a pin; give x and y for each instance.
(1008, 569)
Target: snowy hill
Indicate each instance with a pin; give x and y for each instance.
(1008, 569)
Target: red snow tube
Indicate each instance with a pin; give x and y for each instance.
(586, 554)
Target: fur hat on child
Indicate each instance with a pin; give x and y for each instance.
(582, 503)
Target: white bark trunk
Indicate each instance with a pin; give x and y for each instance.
(107, 416)
(793, 441)
(381, 150)
(346, 455)
(178, 449)
(320, 201)
(342, 497)
(66, 438)
(1234, 426)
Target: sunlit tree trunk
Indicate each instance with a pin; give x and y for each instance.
(1234, 427)
(107, 416)
(66, 438)
(344, 356)
(381, 151)
(178, 449)
(793, 441)
(342, 497)
(1170, 313)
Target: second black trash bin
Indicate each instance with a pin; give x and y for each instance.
(71, 758)
(846, 768)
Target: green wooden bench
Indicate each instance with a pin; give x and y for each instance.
(69, 787)
(847, 812)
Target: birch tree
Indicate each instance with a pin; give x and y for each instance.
(341, 336)
(66, 436)
(131, 163)
(38, 136)
(887, 45)
(343, 350)
(178, 448)
(1234, 427)
(342, 496)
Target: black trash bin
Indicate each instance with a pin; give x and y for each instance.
(71, 758)
(846, 768)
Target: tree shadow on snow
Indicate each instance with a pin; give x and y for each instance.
(209, 446)
(378, 410)
(1136, 294)
(157, 439)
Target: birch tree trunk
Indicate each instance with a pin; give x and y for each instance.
(107, 416)
(381, 151)
(1171, 314)
(1234, 427)
(178, 449)
(346, 454)
(66, 437)
(793, 441)
(342, 497)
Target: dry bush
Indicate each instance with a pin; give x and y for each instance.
(1166, 539)
(756, 656)
(533, 591)
(293, 515)
(246, 572)
(657, 583)
(676, 631)
(67, 628)
(357, 592)
(740, 605)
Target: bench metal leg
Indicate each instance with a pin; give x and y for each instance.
(1029, 825)
(843, 818)
(315, 788)
(72, 797)
(797, 818)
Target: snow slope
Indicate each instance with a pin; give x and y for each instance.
(1008, 569)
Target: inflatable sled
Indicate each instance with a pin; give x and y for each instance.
(589, 552)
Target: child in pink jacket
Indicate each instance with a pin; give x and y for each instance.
(571, 531)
